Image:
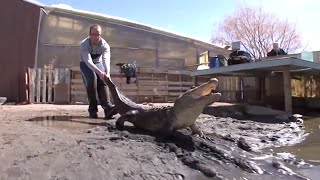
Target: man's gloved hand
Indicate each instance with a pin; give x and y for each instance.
(102, 75)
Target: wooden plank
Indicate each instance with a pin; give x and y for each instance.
(146, 78)
(55, 81)
(151, 70)
(153, 88)
(77, 69)
(128, 87)
(152, 93)
(77, 93)
(56, 76)
(287, 90)
(174, 93)
(228, 86)
(178, 88)
(76, 75)
(50, 86)
(171, 98)
(68, 82)
(180, 83)
(32, 85)
(44, 86)
(167, 86)
(149, 82)
(76, 81)
(79, 99)
(77, 87)
(181, 72)
(134, 93)
(119, 80)
(38, 92)
(26, 74)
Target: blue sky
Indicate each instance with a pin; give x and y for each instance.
(199, 18)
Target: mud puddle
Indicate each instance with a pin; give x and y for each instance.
(217, 157)
(68, 122)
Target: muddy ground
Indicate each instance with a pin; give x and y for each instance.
(75, 147)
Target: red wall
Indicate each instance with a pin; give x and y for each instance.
(18, 32)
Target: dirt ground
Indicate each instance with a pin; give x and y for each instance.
(72, 146)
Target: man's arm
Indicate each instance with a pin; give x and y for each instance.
(106, 55)
(85, 55)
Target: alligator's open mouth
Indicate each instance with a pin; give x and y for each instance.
(211, 93)
(206, 89)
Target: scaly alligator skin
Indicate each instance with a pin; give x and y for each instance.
(182, 114)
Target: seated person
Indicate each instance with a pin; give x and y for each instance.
(276, 51)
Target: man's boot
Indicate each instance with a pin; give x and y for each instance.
(110, 111)
(93, 114)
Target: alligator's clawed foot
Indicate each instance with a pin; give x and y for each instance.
(200, 134)
(196, 131)
(203, 136)
(207, 138)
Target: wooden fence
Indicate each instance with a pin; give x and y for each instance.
(150, 85)
(43, 84)
(156, 85)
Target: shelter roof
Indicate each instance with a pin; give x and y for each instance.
(296, 66)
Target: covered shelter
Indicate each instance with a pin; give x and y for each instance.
(288, 66)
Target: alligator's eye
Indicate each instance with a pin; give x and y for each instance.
(192, 87)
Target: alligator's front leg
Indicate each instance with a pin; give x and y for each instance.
(196, 130)
(129, 116)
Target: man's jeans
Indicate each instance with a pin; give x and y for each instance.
(93, 86)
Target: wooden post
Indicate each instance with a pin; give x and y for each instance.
(38, 85)
(32, 85)
(28, 85)
(44, 86)
(287, 90)
(263, 88)
(195, 80)
(50, 85)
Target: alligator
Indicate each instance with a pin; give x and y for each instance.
(183, 114)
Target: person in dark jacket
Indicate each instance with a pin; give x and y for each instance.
(276, 51)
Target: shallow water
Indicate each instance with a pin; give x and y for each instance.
(308, 150)
(68, 122)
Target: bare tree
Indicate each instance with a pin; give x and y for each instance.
(257, 31)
